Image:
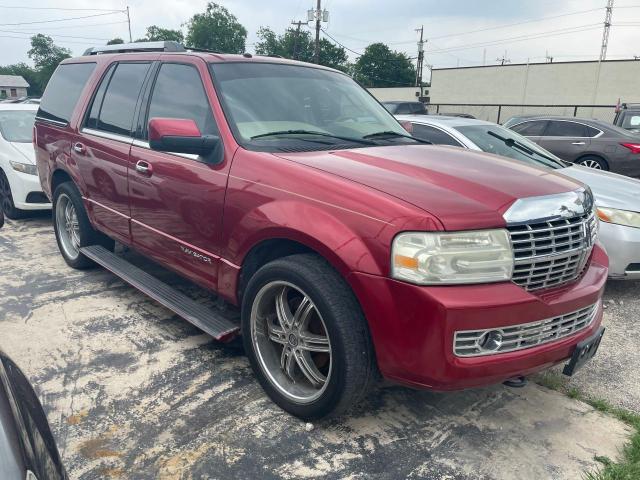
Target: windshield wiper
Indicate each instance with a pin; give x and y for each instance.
(312, 132)
(513, 143)
(391, 133)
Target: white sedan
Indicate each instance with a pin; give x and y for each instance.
(19, 183)
(617, 197)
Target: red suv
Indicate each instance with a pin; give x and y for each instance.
(351, 249)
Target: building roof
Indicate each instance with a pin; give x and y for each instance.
(13, 81)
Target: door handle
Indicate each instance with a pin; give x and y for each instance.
(578, 143)
(144, 168)
(79, 147)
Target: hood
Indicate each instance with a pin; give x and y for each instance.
(609, 189)
(25, 150)
(462, 188)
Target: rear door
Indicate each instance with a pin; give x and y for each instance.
(177, 203)
(567, 139)
(102, 151)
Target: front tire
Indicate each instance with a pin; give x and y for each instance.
(306, 337)
(591, 161)
(6, 199)
(72, 227)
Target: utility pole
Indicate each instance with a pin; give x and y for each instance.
(504, 59)
(295, 39)
(129, 22)
(548, 58)
(316, 52)
(420, 58)
(319, 16)
(607, 28)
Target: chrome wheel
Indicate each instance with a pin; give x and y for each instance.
(68, 226)
(291, 341)
(591, 164)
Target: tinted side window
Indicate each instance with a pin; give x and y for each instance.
(530, 129)
(94, 111)
(418, 108)
(433, 135)
(178, 93)
(565, 129)
(403, 109)
(591, 132)
(119, 103)
(63, 91)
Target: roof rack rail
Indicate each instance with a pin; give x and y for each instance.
(136, 47)
(203, 50)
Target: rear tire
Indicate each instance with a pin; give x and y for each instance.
(322, 362)
(6, 200)
(591, 161)
(72, 227)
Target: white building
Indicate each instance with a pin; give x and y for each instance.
(13, 86)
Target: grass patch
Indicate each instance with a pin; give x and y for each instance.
(628, 467)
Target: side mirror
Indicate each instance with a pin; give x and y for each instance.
(180, 135)
(1, 217)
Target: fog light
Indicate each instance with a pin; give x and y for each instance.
(490, 341)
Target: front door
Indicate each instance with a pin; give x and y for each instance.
(176, 199)
(566, 139)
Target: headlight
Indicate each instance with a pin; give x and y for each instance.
(24, 167)
(435, 258)
(619, 217)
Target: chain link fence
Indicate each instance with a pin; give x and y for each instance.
(500, 113)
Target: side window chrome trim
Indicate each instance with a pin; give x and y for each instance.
(145, 145)
(600, 132)
(107, 135)
(54, 122)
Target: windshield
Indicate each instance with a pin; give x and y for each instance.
(392, 107)
(479, 134)
(289, 107)
(17, 125)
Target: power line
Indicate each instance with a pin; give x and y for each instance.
(520, 38)
(343, 46)
(83, 25)
(55, 35)
(61, 19)
(29, 38)
(61, 8)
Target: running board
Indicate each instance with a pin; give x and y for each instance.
(199, 315)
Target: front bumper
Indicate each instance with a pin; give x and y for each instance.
(22, 185)
(413, 327)
(623, 246)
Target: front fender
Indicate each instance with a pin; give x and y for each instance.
(311, 226)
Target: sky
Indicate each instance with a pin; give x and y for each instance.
(458, 32)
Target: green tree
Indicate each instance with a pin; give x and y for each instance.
(46, 56)
(115, 41)
(28, 73)
(379, 66)
(216, 29)
(300, 46)
(159, 34)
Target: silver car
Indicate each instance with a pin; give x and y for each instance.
(617, 197)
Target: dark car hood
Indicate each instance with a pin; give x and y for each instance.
(463, 189)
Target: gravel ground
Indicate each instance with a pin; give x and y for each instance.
(614, 373)
(132, 391)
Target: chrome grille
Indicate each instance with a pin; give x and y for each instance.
(469, 343)
(552, 253)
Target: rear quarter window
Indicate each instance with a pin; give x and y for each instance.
(63, 91)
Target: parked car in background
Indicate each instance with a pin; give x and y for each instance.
(628, 117)
(349, 246)
(20, 188)
(591, 143)
(454, 114)
(28, 450)
(617, 197)
(400, 108)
